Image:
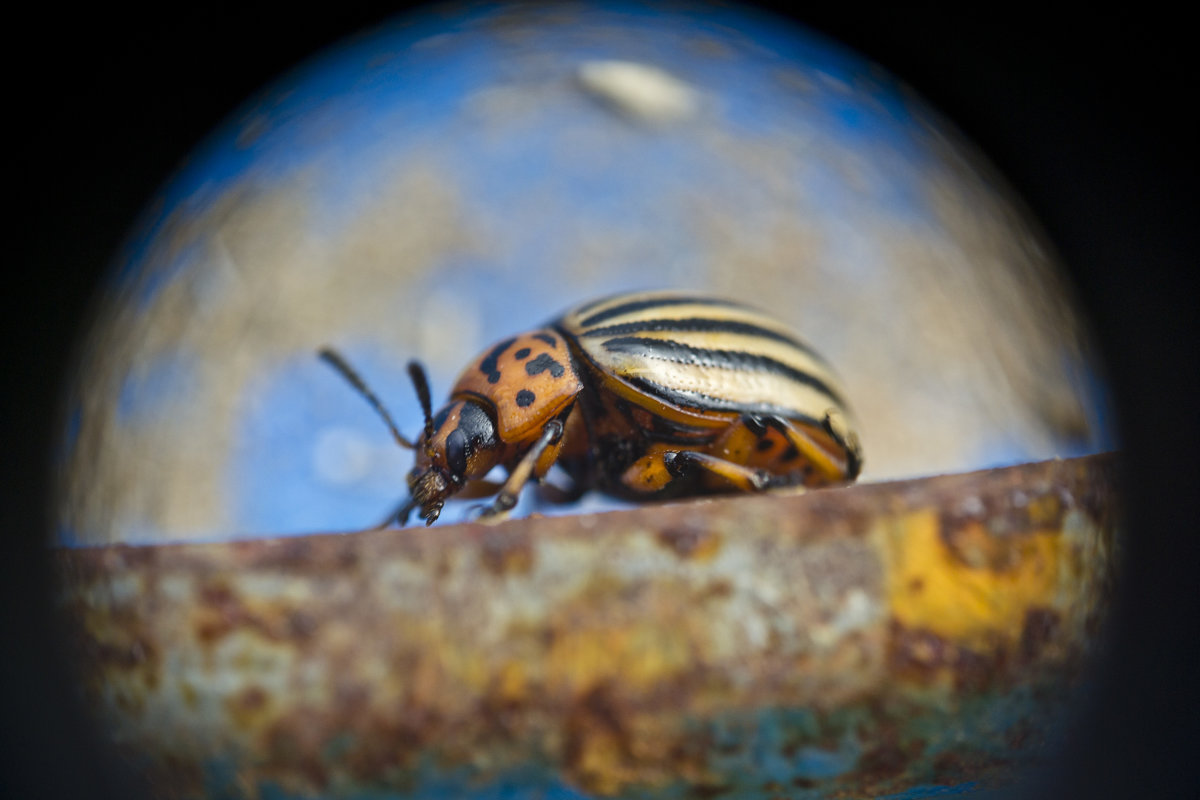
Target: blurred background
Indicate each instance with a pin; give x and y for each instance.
(329, 230)
(455, 176)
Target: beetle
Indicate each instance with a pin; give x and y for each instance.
(641, 395)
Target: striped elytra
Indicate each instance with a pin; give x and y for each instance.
(642, 395)
(706, 354)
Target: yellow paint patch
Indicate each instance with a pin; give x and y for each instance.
(512, 684)
(977, 601)
(635, 656)
(599, 761)
(249, 708)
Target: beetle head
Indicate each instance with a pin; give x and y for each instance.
(459, 444)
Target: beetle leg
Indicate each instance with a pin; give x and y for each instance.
(827, 465)
(682, 462)
(398, 515)
(507, 498)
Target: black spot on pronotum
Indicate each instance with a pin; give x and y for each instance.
(764, 445)
(522, 354)
(547, 338)
(791, 454)
(525, 398)
(488, 365)
(542, 363)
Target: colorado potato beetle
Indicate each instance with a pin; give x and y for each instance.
(643, 395)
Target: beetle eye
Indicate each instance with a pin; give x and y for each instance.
(456, 453)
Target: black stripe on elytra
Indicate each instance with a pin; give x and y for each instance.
(654, 302)
(701, 325)
(707, 402)
(489, 364)
(668, 350)
(586, 307)
(547, 338)
(542, 363)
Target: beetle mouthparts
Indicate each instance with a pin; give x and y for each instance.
(429, 491)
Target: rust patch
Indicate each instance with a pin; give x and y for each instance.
(836, 567)
(691, 542)
(887, 760)
(249, 707)
(1041, 627)
(923, 657)
(293, 743)
(597, 747)
(972, 543)
(135, 652)
(966, 763)
(505, 552)
(1095, 490)
(301, 625)
(1022, 508)
(124, 646)
(220, 610)
(360, 658)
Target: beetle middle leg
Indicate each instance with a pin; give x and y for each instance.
(524, 470)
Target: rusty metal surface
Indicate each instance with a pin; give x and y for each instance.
(861, 641)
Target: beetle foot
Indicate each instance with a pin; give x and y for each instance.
(677, 463)
(761, 479)
(495, 511)
(489, 515)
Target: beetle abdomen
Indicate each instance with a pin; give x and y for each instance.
(703, 356)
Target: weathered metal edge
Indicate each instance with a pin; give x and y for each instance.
(866, 639)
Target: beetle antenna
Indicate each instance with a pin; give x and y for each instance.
(335, 360)
(421, 383)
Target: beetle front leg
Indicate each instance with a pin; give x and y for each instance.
(511, 490)
(399, 515)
